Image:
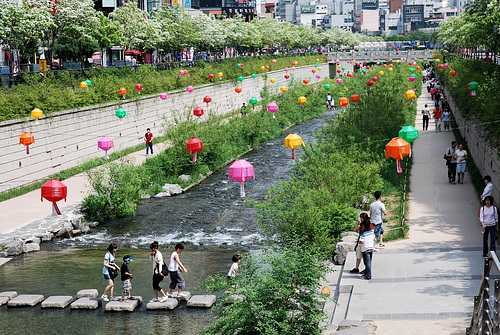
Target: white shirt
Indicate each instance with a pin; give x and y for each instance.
(488, 190)
(488, 216)
(460, 154)
(368, 239)
(377, 208)
(232, 271)
(173, 265)
(157, 259)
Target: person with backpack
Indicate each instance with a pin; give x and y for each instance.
(159, 271)
(488, 216)
(110, 271)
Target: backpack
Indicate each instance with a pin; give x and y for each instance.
(113, 272)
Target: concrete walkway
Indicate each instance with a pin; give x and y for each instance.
(424, 284)
(20, 211)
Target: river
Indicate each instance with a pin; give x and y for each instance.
(211, 219)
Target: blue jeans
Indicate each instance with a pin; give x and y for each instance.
(491, 230)
(367, 259)
(149, 146)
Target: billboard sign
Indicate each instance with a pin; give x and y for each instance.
(369, 4)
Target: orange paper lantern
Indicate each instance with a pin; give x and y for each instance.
(397, 148)
(27, 139)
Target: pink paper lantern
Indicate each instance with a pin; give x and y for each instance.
(339, 81)
(105, 143)
(293, 68)
(318, 76)
(163, 96)
(241, 171)
(272, 107)
(412, 79)
(286, 69)
(190, 89)
(181, 72)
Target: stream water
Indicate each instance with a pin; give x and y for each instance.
(210, 219)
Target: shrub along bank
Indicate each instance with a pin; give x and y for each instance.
(347, 164)
(52, 92)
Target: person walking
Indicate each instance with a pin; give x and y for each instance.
(158, 264)
(377, 210)
(175, 268)
(148, 137)
(446, 119)
(488, 216)
(426, 114)
(108, 271)
(367, 241)
(452, 162)
(330, 103)
(461, 156)
(437, 118)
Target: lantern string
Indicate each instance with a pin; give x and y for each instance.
(284, 159)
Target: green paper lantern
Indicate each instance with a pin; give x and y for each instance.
(473, 85)
(363, 70)
(239, 65)
(327, 86)
(254, 75)
(240, 78)
(120, 113)
(253, 100)
(412, 69)
(89, 83)
(409, 133)
(343, 68)
(316, 64)
(303, 58)
(413, 75)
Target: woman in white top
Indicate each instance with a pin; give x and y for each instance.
(158, 264)
(489, 221)
(109, 264)
(461, 157)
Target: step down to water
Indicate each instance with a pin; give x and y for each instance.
(26, 300)
(6, 296)
(171, 303)
(86, 303)
(57, 301)
(123, 306)
(201, 301)
(88, 293)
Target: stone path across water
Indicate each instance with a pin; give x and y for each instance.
(424, 284)
(89, 299)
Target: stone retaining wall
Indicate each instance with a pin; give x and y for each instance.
(485, 157)
(66, 139)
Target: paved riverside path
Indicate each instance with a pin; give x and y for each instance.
(19, 211)
(424, 284)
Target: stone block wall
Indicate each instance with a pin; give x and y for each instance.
(485, 157)
(66, 139)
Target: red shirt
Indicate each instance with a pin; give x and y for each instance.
(149, 137)
(437, 113)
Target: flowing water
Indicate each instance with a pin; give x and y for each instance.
(211, 219)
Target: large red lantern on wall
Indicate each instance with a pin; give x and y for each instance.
(53, 191)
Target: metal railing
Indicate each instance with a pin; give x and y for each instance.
(486, 314)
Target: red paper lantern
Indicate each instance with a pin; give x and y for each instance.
(194, 145)
(238, 90)
(369, 83)
(355, 98)
(305, 81)
(375, 79)
(198, 111)
(138, 87)
(287, 76)
(53, 191)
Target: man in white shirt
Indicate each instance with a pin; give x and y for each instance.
(377, 209)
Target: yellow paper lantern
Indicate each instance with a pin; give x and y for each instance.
(391, 69)
(283, 89)
(273, 80)
(302, 100)
(36, 113)
(381, 73)
(293, 141)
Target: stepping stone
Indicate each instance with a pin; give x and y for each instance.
(57, 301)
(88, 293)
(123, 306)
(6, 296)
(86, 303)
(171, 303)
(26, 300)
(184, 297)
(201, 301)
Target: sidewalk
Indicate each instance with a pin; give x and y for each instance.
(424, 284)
(20, 211)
